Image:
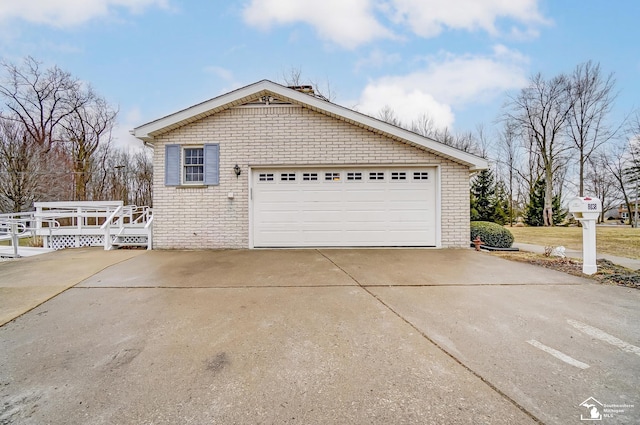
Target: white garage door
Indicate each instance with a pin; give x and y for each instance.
(344, 207)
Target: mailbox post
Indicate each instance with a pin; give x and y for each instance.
(586, 210)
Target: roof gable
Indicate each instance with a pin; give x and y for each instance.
(254, 92)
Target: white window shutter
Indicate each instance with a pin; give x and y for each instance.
(212, 164)
(172, 167)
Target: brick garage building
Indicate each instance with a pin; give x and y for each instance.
(273, 166)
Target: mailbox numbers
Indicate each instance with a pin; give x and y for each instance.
(592, 207)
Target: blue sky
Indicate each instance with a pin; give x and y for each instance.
(454, 60)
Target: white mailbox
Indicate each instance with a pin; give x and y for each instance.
(586, 210)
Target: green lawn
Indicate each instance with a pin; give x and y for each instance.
(623, 241)
(22, 242)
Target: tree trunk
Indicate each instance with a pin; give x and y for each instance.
(581, 172)
(548, 199)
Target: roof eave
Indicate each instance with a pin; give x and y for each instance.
(147, 132)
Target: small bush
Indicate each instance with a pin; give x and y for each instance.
(35, 242)
(491, 234)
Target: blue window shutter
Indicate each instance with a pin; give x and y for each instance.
(212, 164)
(172, 168)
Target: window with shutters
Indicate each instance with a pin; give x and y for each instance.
(189, 165)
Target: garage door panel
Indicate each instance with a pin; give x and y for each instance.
(365, 195)
(409, 213)
(278, 197)
(361, 206)
(326, 196)
(319, 205)
(366, 216)
(315, 237)
(407, 196)
(343, 212)
(282, 233)
(282, 217)
(366, 238)
(321, 218)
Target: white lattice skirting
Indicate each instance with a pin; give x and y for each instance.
(74, 241)
(78, 241)
(141, 240)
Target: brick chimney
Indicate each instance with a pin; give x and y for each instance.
(303, 89)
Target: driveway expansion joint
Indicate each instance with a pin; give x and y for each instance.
(438, 346)
(212, 287)
(49, 298)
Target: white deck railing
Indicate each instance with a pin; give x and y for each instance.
(76, 224)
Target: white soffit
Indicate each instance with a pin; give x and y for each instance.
(147, 132)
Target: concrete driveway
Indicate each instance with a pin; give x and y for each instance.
(312, 337)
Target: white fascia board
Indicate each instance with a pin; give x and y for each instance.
(146, 132)
(475, 162)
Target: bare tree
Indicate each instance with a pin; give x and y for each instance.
(463, 141)
(19, 168)
(633, 171)
(142, 181)
(294, 78)
(388, 115)
(508, 157)
(592, 99)
(542, 109)
(617, 161)
(118, 174)
(482, 140)
(84, 130)
(634, 147)
(40, 99)
(600, 181)
(425, 126)
(64, 120)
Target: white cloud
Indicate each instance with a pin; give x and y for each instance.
(348, 23)
(133, 116)
(351, 23)
(225, 80)
(220, 72)
(66, 13)
(447, 82)
(122, 139)
(408, 103)
(377, 59)
(428, 18)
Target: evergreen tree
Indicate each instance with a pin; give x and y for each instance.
(533, 213)
(500, 205)
(482, 196)
(534, 209)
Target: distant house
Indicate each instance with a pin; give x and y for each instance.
(273, 166)
(623, 211)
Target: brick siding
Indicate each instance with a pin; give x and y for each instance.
(204, 217)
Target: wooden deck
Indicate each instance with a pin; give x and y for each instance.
(60, 225)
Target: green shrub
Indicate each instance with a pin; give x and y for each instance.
(491, 234)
